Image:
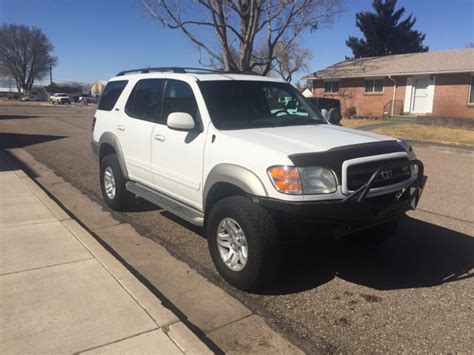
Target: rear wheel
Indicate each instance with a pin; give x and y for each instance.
(112, 183)
(243, 242)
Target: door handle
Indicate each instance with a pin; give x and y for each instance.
(121, 128)
(159, 137)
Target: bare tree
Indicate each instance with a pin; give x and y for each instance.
(469, 45)
(25, 54)
(247, 35)
(292, 60)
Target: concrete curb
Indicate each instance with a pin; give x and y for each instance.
(218, 319)
(166, 320)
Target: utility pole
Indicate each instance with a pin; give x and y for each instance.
(50, 82)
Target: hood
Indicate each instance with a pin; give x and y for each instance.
(305, 139)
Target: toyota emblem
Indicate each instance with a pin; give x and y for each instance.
(387, 174)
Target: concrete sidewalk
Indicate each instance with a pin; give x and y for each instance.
(62, 292)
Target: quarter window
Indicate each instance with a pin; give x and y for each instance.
(332, 87)
(178, 97)
(471, 92)
(375, 85)
(110, 95)
(145, 100)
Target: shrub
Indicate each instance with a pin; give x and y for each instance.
(350, 112)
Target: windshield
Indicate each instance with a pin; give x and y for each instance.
(237, 104)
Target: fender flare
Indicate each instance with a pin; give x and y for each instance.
(111, 139)
(235, 175)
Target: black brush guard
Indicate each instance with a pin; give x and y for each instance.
(358, 210)
(413, 191)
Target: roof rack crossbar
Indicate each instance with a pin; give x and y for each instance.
(167, 70)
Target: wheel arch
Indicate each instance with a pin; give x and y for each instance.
(237, 179)
(109, 142)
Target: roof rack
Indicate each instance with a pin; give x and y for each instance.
(169, 70)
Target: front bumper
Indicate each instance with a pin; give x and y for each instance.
(357, 210)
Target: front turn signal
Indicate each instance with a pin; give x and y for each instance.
(286, 179)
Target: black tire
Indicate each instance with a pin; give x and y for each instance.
(122, 197)
(378, 234)
(262, 240)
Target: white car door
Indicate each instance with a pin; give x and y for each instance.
(136, 126)
(177, 156)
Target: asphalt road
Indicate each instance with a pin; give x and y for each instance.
(416, 293)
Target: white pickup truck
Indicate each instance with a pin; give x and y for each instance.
(60, 99)
(225, 152)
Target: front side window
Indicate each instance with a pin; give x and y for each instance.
(471, 92)
(374, 86)
(238, 104)
(110, 95)
(331, 87)
(178, 97)
(145, 100)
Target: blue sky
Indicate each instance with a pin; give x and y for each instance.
(95, 39)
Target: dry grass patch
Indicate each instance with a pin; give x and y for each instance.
(358, 122)
(427, 133)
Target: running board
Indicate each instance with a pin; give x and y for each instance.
(188, 213)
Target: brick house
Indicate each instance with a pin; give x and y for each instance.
(438, 84)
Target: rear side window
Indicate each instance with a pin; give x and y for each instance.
(111, 94)
(145, 100)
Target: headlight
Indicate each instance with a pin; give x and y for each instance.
(408, 148)
(297, 181)
(411, 155)
(316, 180)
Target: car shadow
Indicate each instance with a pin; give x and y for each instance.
(15, 117)
(20, 140)
(420, 255)
(140, 205)
(188, 225)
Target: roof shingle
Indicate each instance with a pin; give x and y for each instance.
(458, 60)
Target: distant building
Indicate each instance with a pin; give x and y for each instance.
(39, 93)
(7, 87)
(98, 88)
(438, 84)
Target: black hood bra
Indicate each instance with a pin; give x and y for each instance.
(334, 157)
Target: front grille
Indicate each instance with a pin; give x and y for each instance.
(359, 174)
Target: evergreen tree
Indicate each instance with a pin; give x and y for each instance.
(384, 33)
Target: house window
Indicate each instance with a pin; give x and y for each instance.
(374, 86)
(331, 87)
(471, 92)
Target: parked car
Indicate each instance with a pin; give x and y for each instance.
(87, 99)
(74, 98)
(60, 99)
(330, 108)
(31, 98)
(222, 151)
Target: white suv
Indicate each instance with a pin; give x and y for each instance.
(245, 156)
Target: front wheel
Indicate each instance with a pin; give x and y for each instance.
(243, 242)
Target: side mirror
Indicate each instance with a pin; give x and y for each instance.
(324, 112)
(334, 117)
(181, 121)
